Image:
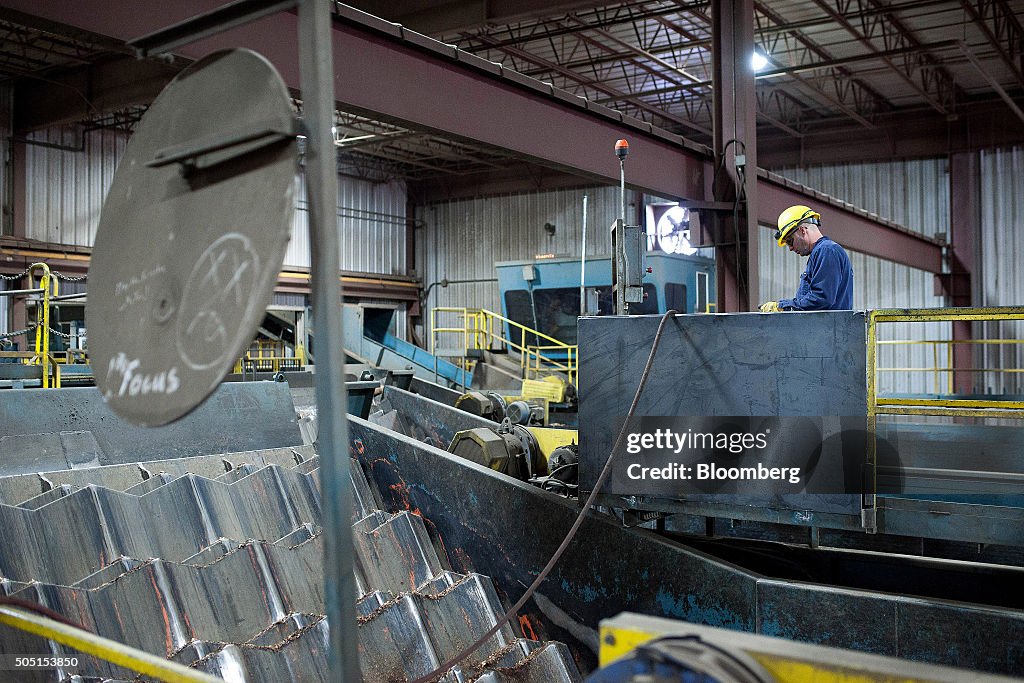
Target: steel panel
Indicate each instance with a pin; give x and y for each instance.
(239, 416)
(65, 188)
(830, 616)
(371, 223)
(957, 633)
(427, 420)
(800, 364)
(508, 530)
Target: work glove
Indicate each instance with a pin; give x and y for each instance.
(770, 307)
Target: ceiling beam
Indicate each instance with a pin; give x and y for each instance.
(404, 77)
(837, 88)
(1003, 31)
(86, 92)
(854, 228)
(440, 16)
(924, 134)
(920, 71)
(613, 93)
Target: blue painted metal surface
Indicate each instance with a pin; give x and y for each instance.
(367, 340)
(559, 278)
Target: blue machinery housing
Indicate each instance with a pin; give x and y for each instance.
(544, 294)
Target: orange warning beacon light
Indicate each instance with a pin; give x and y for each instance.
(621, 149)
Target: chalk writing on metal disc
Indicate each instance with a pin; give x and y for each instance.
(192, 237)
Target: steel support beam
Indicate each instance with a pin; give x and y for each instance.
(965, 238)
(1003, 31)
(86, 91)
(439, 16)
(735, 142)
(397, 75)
(853, 228)
(980, 125)
(920, 71)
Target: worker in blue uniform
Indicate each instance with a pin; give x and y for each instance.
(827, 282)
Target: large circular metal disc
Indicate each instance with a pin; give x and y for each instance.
(187, 254)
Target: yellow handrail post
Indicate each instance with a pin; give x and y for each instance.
(522, 350)
(868, 507)
(43, 321)
(951, 376)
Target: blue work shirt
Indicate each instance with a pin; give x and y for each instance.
(826, 283)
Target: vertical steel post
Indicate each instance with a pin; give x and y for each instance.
(869, 505)
(316, 63)
(964, 267)
(583, 260)
(735, 135)
(622, 188)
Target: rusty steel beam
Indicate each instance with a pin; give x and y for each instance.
(735, 143)
(402, 76)
(962, 280)
(854, 228)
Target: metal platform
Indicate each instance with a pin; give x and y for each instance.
(800, 365)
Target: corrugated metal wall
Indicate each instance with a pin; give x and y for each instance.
(6, 189)
(65, 187)
(914, 194)
(4, 311)
(1001, 281)
(6, 212)
(462, 240)
(371, 217)
(67, 181)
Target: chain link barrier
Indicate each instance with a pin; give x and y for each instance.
(11, 335)
(56, 273)
(68, 278)
(14, 278)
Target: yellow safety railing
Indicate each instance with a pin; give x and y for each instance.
(460, 337)
(42, 356)
(109, 650)
(478, 329)
(269, 355)
(946, 406)
(938, 357)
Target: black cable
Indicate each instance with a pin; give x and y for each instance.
(649, 649)
(741, 192)
(562, 467)
(514, 610)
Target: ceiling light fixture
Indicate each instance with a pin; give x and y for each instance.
(758, 61)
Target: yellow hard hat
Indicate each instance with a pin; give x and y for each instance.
(791, 218)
